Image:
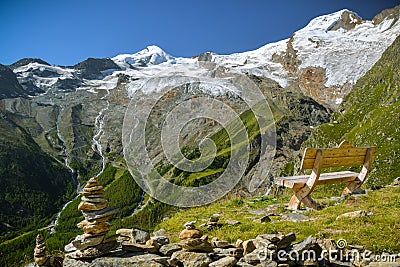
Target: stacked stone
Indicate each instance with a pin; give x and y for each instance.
(94, 208)
(41, 257)
(39, 253)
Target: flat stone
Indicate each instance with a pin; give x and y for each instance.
(137, 260)
(353, 214)
(81, 243)
(310, 243)
(274, 238)
(191, 259)
(169, 249)
(100, 228)
(232, 222)
(135, 235)
(196, 244)
(263, 219)
(234, 252)
(252, 258)
(224, 262)
(97, 193)
(95, 215)
(94, 199)
(161, 240)
(190, 233)
(221, 243)
(190, 225)
(286, 240)
(93, 251)
(150, 246)
(92, 188)
(295, 217)
(160, 232)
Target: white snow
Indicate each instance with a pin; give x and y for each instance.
(346, 55)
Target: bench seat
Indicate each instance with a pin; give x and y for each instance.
(325, 178)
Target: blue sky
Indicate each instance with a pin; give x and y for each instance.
(67, 32)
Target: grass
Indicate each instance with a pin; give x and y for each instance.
(378, 232)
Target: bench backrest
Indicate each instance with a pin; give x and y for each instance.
(344, 155)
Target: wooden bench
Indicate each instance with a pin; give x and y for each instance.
(316, 159)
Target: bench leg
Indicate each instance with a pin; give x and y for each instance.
(294, 203)
(352, 187)
(297, 199)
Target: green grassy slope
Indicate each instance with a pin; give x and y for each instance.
(370, 115)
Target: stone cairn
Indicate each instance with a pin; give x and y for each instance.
(41, 257)
(94, 208)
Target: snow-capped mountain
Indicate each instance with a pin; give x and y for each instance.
(323, 59)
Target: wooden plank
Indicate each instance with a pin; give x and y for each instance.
(336, 180)
(335, 162)
(310, 153)
(355, 156)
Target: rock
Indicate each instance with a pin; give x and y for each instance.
(81, 243)
(248, 246)
(196, 244)
(214, 218)
(161, 240)
(93, 251)
(396, 181)
(190, 225)
(221, 243)
(134, 235)
(295, 217)
(169, 249)
(252, 258)
(95, 215)
(190, 233)
(148, 260)
(224, 262)
(308, 244)
(150, 246)
(191, 259)
(160, 232)
(239, 243)
(353, 214)
(234, 252)
(286, 240)
(92, 206)
(232, 222)
(273, 238)
(263, 219)
(96, 229)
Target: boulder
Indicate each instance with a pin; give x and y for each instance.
(224, 252)
(81, 242)
(196, 244)
(161, 240)
(191, 259)
(134, 235)
(295, 217)
(224, 262)
(169, 249)
(190, 233)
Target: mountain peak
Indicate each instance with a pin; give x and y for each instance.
(151, 55)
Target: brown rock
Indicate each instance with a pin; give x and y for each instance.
(224, 262)
(232, 222)
(99, 228)
(94, 199)
(248, 246)
(93, 251)
(196, 244)
(92, 206)
(353, 214)
(190, 233)
(82, 242)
